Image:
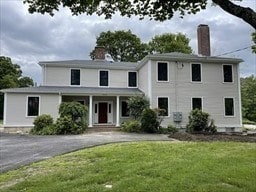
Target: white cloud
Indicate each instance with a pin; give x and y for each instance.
(28, 39)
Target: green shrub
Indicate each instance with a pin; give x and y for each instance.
(48, 130)
(136, 105)
(199, 122)
(149, 122)
(131, 126)
(64, 125)
(40, 123)
(246, 121)
(172, 129)
(75, 110)
(162, 130)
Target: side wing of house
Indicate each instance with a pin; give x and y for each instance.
(180, 86)
(22, 108)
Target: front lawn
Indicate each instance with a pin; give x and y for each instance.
(142, 166)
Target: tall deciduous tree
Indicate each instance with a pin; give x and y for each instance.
(158, 10)
(11, 77)
(248, 94)
(169, 42)
(122, 45)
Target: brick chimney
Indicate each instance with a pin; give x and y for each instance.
(203, 38)
(99, 53)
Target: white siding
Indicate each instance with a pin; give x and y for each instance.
(16, 112)
(143, 82)
(60, 76)
(180, 90)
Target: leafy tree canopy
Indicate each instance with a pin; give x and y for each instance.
(11, 75)
(248, 94)
(158, 10)
(122, 45)
(169, 42)
(126, 46)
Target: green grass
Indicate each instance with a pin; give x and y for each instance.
(142, 166)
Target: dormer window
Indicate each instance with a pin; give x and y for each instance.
(103, 78)
(132, 79)
(75, 77)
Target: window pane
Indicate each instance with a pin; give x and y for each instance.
(75, 77)
(196, 72)
(33, 106)
(132, 79)
(163, 104)
(227, 72)
(229, 107)
(125, 110)
(103, 78)
(162, 72)
(197, 103)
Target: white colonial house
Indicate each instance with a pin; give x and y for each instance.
(175, 82)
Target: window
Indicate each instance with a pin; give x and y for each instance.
(103, 78)
(196, 103)
(132, 79)
(162, 71)
(109, 108)
(229, 107)
(196, 72)
(75, 76)
(163, 105)
(227, 73)
(33, 106)
(125, 109)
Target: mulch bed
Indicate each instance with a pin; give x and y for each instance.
(214, 137)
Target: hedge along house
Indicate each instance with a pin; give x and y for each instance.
(175, 82)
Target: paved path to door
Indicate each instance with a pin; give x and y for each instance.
(18, 150)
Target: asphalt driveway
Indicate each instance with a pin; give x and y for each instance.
(17, 150)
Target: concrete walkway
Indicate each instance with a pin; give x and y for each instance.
(17, 150)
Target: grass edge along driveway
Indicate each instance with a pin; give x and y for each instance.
(142, 166)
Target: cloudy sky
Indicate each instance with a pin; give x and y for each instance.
(28, 39)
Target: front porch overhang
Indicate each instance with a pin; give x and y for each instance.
(78, 90)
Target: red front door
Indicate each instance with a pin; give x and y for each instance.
(103, 112)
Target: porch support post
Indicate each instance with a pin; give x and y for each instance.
(117, 111)
(90, 111)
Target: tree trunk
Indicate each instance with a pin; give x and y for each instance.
(245, 13)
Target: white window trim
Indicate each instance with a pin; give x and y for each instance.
(39, 107)
(128, 79)
(168, 75)
(168, 112)
(229, 116)
(99, 77)
(125, 117)
(202, 101)
(70, 77)
(232, 68)
(201, 75)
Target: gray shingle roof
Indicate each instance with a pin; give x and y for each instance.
(91, 64)
(68, 90)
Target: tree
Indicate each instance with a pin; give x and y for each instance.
(122, 45)
(169, 42)
(136, 105)
(11, 77)
(25, 82)
(254, 40)
(158, 10)
(248, 94)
